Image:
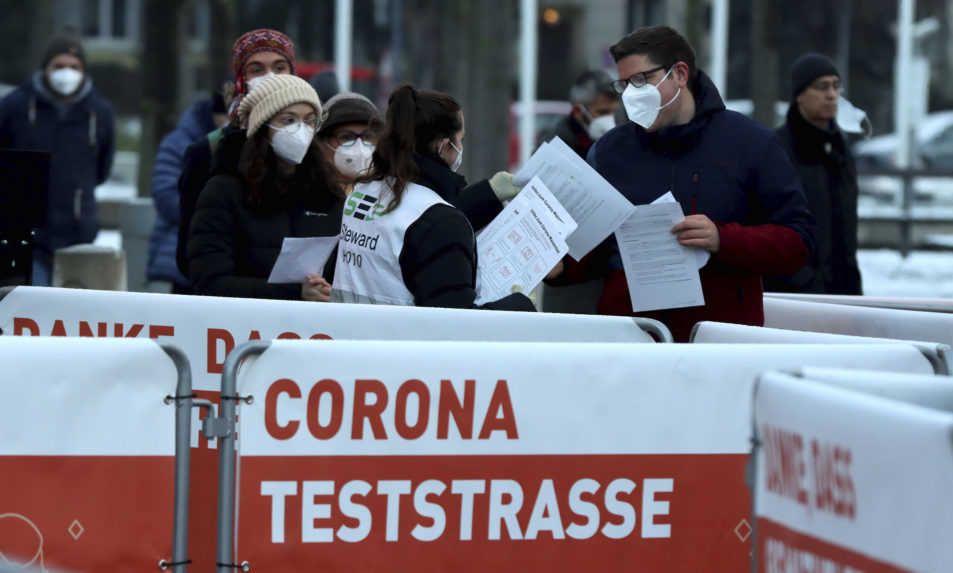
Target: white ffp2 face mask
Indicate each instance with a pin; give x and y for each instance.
(850, 118)
(643, 104)
(598, 126)
(291, 142)
(353, 160)
(251, 83)
(459, 160)
(65, 81)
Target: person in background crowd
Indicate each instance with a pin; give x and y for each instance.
(348, 135)
(273, 183)
(256, 54)
(326, 84)
(401, 241)
(59, 111)
(823, 160)
(201, 118)
(742, 199)
(594, 104)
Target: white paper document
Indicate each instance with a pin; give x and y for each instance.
(522, 244)
(301, 256)
(596, 206)
(661, 273)
(701, 255)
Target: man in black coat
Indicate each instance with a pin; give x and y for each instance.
(820, 153)
(59, 111)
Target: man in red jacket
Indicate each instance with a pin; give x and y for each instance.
(742, 199)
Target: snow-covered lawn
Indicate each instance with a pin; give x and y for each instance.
(924, 274)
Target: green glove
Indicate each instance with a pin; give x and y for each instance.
(502, 185)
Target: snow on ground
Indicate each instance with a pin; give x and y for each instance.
(926, 274)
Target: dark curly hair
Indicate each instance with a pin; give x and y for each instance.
(258, 167)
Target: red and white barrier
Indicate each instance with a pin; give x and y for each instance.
(849, 481)
(86, 454)
(207, 328)
(488, 456)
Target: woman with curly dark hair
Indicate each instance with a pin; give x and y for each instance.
(402, 241)
(269, 182)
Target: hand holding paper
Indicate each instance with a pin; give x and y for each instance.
(315, 288)
(698, 231)
(660, 272)
(701, 255)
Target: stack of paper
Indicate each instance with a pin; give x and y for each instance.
(522, 244)
(596, 206)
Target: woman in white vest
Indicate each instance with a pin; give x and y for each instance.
(400, 243)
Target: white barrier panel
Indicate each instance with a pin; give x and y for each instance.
(847, 481)
(86, 454)
(207, 328)
(858, 320)
(489, 456)
(922, 304)
(934, 392)
(940, 355)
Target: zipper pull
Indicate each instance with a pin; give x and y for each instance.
(92, 129)
(78, 204)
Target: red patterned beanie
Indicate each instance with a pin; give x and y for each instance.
(261, 40)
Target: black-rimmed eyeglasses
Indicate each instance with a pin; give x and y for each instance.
(635, 80)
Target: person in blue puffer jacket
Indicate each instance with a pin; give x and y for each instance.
(58, 111)
(199, 119)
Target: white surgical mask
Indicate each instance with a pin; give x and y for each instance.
(459, 160)
(291, 142)
(251, 83)
(65, 81)
(851, 119)
(599, 126)
(355, 159)
(643, 104)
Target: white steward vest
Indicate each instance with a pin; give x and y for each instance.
(371, 239)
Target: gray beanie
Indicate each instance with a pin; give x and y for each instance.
(350, 107)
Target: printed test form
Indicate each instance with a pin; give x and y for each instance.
(661, 273)
(522, 244)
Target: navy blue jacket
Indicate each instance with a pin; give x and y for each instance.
(731, 169)
(196, 122)
(80, 137)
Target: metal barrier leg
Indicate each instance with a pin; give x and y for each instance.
(751, 478)
(223, 428)
(946, 360)
(655, 327)
(184, 402)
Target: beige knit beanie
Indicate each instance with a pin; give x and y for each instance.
(272, 95)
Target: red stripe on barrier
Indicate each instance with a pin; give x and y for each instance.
(402, 513)
(782, 550)
(86, 513)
